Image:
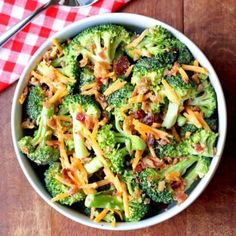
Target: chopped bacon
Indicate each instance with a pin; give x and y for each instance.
(80, 116)
(152, 162)
(198, 147)
(178, 187)
(27, 124)
(180, 196)
(121, 65)
(73, 190)
(139, 168)
(23, 95)
(65, 172)
(53, 143)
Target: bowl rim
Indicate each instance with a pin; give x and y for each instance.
(127, 19)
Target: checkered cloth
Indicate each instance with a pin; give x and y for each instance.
(15, 54)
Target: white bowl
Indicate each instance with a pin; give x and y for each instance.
(137, 23)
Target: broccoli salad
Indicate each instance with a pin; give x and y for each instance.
(123, 124)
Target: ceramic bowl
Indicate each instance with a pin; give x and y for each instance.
(136, 23)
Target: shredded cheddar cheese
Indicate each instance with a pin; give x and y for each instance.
(58, 46)
(101, 215)
(172, 95)
(118, 84)
(197, 69)
(139, 39)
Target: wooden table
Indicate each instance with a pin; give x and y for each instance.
(211, 24)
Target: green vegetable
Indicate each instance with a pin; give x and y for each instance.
(34, 102)
(205, 99)
(36, 147)
(171, 115)
(150, 179)
(55, 187)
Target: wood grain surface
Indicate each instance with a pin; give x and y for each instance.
(211, 25)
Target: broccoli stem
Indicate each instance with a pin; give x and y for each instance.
(93, 166)
(132, 142)
(41, 134)
(104, 201)
(80, 147)
(171, 115)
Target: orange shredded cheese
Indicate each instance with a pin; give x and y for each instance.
(92, 213)
(137, 158)
(184, 75)
(175, 134)
(63, 181)
(141, 127)
(23, 95)
(59, 197)
(113, 223)
(97, 184)
(129, 70)
(171, 94)
(125, 200)
(88, 86)
(173, 176)
(197, 69)
(137, 40)
(58, 46)
(137, 98)
(196, 63)
(118, 84)
(191, 116)
(202, 121)
(101, 215)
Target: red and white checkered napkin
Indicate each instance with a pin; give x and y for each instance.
(15, 54)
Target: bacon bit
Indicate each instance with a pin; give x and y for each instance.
(139, 168)
(101, 70)
(80, 116)
(161, 186)
(27, 124)
(23, 95)
(198, 147)
(152, 162)
(180, 196)
(152, 151)
(195, 79)
(73, 190)
(174, 69)
(53, 143)
(121, 65)
(102, 55)
(65, 173)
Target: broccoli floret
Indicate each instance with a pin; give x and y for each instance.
(69, 79)
(183, 90)
(132, 142)
(150, 179)
(34, 102)
(171, 115)
(36, 148)
(55, 187)
(137, 206)
(67, 65)
(137, 210)
(197, 171)
(117, 159)
(108, 138)
(121, 96)
(156, 41)
(212, 123)
(86, 77)
(100, 43)
(188, 127)
(168, 150)
(201, 143)
(205, 99)
(184, 56)
(73, 104)
(150, 69)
